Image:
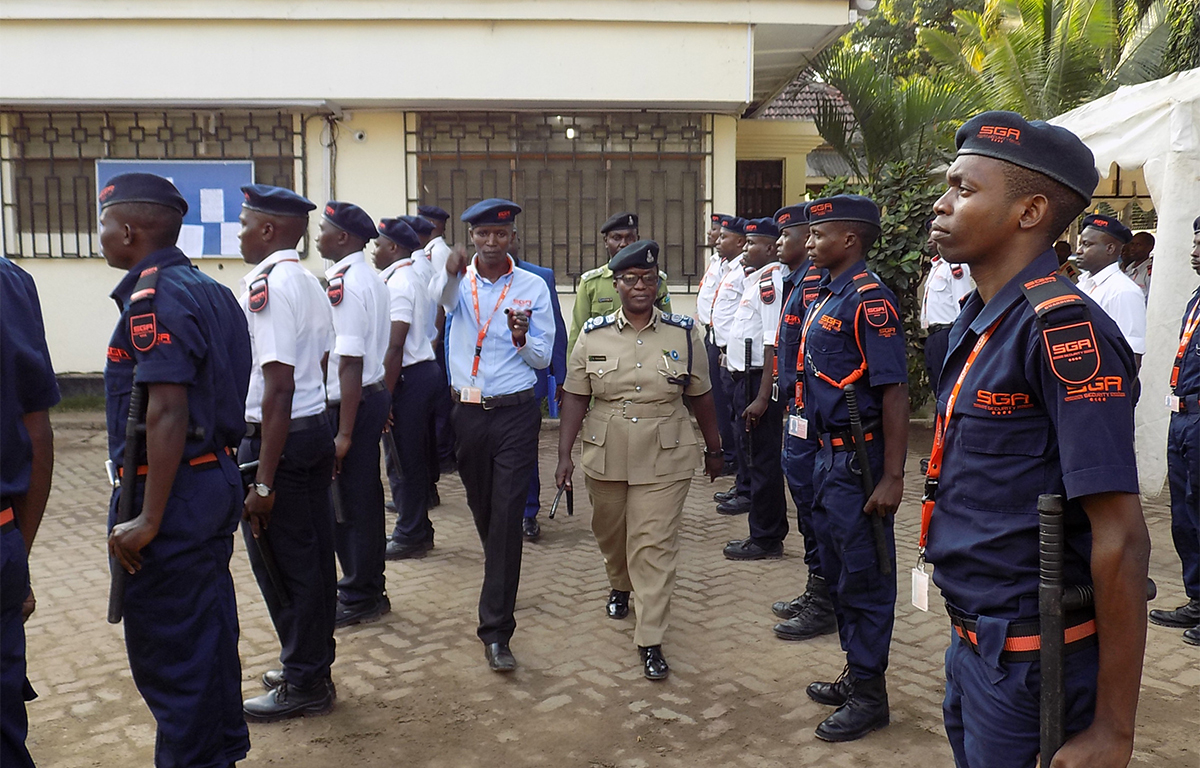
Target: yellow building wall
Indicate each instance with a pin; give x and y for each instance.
(786, 140)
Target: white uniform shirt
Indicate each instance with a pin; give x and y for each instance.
(726, 301)
(410, 302)
(1122, 300)
(757, 317)
(1140, 274)
(437, 252)
(943, 292)
(717, 267)
(360, 322)
(294, 327)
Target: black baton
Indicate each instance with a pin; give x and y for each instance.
(868, 480)
(339, 510)
(126, 509)
(749, 399)
(1050, 616)
(262, 542)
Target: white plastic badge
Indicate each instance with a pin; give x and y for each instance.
(920, 588)
(798, 427)
(471, 395)
(1173, 403)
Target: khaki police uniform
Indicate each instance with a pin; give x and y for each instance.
(639, 449)
(597, 296)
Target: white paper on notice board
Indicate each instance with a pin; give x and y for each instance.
(212, 206)
(191, 240)
(229, 239)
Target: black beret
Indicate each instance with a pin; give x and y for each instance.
(350, 218)
(792, 216)
(735, 224)
(843, 208)
(625, 220)
(1047, 149)
(142, 188)
(716, 217)
(420, 225)
(1196, 225)
(1109, 226)
(762, 228)
(276, 201)
(642, 255)
(400, 233)
(433, 212)
(494, 210)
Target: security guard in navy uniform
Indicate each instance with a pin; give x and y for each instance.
(852, 335)
(1183, 463)
(28, 390)
(1035, 398)
(503, 331)
(811, 613)
(182, 337)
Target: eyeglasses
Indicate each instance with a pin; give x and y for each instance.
(650, 280)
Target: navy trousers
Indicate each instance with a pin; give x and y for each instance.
(799, 457)
(763, 470)
(408, 468)
(721, 401)
(497, 451)
(936, 346)
(360, 541)
(735, 392)
(533, 501)
(300, 534)
(864, 600)
(443, 428)
(14, 586)
(1183, 478)
(181, 625)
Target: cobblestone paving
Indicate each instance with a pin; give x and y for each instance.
(414, 689)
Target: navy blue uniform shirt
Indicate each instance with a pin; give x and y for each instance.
(844, 326)
(27, 383)
(1188, 382)
(558, 359)
(790, 325)
(1018, 431)
(200, 340)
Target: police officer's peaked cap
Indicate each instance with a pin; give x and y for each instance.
(494, 210)
(844, 208)
(792, 216)
(623, 220)
(418, 224)
(276, 201)
(734, 224)
(433, 212)
(1109, 226)
(400, 233)
(142, 188)
(348, 217)
(640, 255)
(762, 228)
(1047, 149)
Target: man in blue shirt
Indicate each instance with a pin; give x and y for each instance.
(28, 389)
(183, 338)
(503, 332)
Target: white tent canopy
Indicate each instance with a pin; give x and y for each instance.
(1154, 128)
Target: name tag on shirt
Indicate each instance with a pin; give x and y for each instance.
(798, 427)
(471, 395)
(1173, 403)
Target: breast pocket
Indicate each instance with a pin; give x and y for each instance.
(594, 432)
(118, 383)
(1007, 455)
(677, 448)
(600, 372)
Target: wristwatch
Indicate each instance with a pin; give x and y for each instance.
(263, 490)
(713, 454)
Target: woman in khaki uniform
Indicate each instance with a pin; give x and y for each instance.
(639, 449)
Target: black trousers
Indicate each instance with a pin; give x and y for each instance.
(497, 451)
(735, 393)
(443, 429)
(721, 401)
(936, 346)
(762, 447)
(408, 467)
(301, 535)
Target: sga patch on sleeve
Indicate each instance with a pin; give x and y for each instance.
(258, 295)
(1072, 352)
(143, 331)
(876, 311)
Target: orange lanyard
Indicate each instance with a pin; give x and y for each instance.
(1185, 338)
(812, 315)
(939, 436)
(483, 329)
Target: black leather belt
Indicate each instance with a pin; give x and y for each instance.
(1023, 641)
(937, 327)
(844, 441)
(370, 389)
(739, 375)
(254, 429)
(498, 401)
(1189, 404)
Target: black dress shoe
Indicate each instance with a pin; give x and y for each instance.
(865, 710)
(1192, 636)
(285, 701)
(749, 549)
(530, 528)
(618, 604)
(654, 666)
(1183, 617)
(723, 496)
(730, 469)
(832, 694)
(273, 678)
(406, 551)
(499, 657)
(349, 614)
(738, 505)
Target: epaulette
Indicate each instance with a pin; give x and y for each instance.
(679, 321)
(597, 272)
(875, 306)
(259, 293)
(599, 322)
(810, 285)
(336, 291)
(1068, 339)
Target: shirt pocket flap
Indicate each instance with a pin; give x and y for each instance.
(1005, 437)
(676, 433)
(600, 368)
(594, 431)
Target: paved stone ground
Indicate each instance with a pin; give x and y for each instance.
(414, 689)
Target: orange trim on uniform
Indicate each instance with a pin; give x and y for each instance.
(6, 516)
(206, 459)
(1034, 642)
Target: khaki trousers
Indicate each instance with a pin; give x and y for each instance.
(637, 528)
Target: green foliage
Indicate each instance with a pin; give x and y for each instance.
(888, 33)
(905, 193)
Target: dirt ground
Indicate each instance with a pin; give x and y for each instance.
(414, 689)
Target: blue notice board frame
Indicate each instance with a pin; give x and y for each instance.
(213, 192)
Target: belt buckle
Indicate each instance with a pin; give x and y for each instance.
(625, 408)
(486, 403)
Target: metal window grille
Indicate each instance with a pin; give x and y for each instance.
(569, 173)
(48, 168)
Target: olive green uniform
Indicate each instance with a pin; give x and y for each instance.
(639, 449)
(597, 296)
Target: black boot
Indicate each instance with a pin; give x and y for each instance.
(790, 609)
(832, 694)
(816, 618)
(865, 710)
(1183, 617)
